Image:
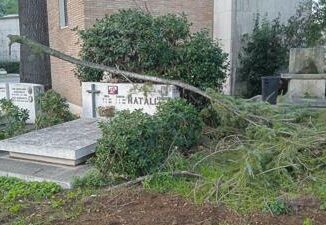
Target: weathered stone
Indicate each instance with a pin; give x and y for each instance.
(307, 89)
(70, 143)
(307, 60)
(307, 83)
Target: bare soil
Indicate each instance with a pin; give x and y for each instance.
(139, 207)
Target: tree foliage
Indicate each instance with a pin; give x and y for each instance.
(8, 7)
(2, 9)
(262, 55)
(135, 144)
(162, 46)
(55, 110)
(265, 52)
(307, 27)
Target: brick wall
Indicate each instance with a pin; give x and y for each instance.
(65, 40)
(200, 12)
(83, 13)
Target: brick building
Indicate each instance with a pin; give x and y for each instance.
(225, 19)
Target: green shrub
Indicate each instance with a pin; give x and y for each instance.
(130, 145)
(210, 116)
(10, 67)
(160, 46)
(277, 207)
(263, 54)
(93, 178)
(180, 123)
(12, 119)
(135, 144)
(55, 110)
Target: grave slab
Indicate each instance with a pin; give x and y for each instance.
(69, 143)
(32, 171)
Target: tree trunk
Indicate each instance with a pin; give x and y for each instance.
(33, 22)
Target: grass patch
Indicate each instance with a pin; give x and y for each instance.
(15, 194)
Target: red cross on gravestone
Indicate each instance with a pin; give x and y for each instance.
(93, 91)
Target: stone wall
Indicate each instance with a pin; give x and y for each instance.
(9, 25)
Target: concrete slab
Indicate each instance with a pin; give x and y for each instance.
(33, 171)
(69, 143)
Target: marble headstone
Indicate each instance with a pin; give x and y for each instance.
(124, 96)
(25, 96)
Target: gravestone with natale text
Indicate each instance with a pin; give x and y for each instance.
(124, 96)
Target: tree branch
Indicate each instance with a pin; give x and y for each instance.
(37, 47)
(141, 179)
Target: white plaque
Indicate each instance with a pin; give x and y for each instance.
(25, 96)
(124, 96)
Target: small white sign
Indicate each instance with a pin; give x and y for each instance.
(25, 96)
(124, 96)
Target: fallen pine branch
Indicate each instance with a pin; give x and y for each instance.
(39, 48)
(148, 177)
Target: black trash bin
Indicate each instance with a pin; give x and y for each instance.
(270, 86)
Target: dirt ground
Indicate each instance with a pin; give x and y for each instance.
(139, 207)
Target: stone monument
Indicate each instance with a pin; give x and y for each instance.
(25, 96)
(102, 99)
(307, 77)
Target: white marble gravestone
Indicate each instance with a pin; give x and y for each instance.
(124, 96)
(25, 96)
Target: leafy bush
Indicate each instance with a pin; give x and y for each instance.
(10, 67)
(265, 52)
(306, 29)
(262, 55)
(160, 46)
(12, 119)
(180, 123)
(135, 144)
(93, 178)
(55, 110)
(277, 207)
(130, 145)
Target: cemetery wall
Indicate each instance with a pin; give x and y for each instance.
(9, 25)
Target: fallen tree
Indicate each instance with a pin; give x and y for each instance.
(38, 48)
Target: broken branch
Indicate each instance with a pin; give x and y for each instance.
(141, 179)
(52, 52)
